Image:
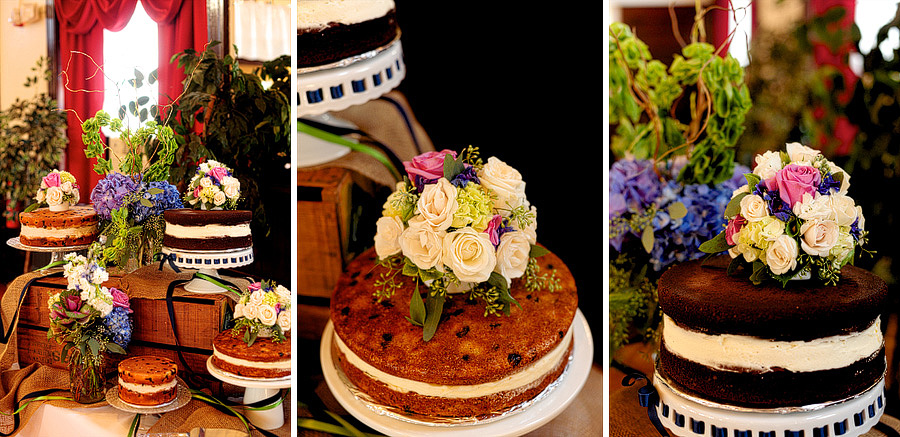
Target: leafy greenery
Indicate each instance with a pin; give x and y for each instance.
(149, 148)
(633, 310)
(32, 139)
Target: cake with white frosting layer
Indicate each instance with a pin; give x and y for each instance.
(266, 357)
(147, 380)
(207, 229)
(42, 227)
(331, 30)
(768, 346)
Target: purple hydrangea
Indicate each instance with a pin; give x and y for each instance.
(169, 198)
(119, 324)
(109, 194)
(633, 186)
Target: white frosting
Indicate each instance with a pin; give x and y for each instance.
(147, 388)
(32, 232)
(208, 231)
(740, 352)
(522, 379)
(316, 14)
(283, 365)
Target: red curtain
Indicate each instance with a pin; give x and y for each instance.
(182, 25)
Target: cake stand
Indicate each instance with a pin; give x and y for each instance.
(685, 415)
(255, 390)
(56, 253)
(334, 87)
(208, 262)
(182, 397)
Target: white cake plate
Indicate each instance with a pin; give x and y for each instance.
(255, 389)
(208, 262)
(687, 416)
(56, 253)
(182, 397)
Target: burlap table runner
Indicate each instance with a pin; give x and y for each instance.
(149, 282)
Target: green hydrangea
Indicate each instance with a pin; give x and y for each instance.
(475, 208)
(402, 202)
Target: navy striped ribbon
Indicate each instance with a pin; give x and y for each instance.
(648, 398)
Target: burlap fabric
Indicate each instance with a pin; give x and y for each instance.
(148, 282)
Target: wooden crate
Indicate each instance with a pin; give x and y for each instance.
(323, 221)
(199, 318)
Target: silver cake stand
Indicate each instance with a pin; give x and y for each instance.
(208, 262)
(56, 253)
(255, 389)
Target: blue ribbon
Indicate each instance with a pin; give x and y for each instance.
(171, 257)
(648, 398)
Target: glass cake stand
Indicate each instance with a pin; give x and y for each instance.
(255, 390)
(56, 253)
(686, 415)
(208, 262)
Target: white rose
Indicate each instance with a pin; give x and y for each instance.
(267, 315)
(504, 181)
(219, 198)
(813, 208)
(250, 310)
(512, 254)
(800, 153)
(206, 182)
(204, 167)
(469, 254)
(862, 220)
(767, 164)
(76, 196)
(256, 297)
(743, 189)
(387, 236)
(66, 187)
(284, 321)
(54, 196)
(845, 181)
(231, 186)
(781, 256)
(437, 204)
(422, 245)
(844, 209)
(817, 237)
(284, 295)
(754, 208)
(238, 310)
(41, 196)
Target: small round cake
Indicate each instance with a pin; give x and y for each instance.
(147, 380)
(45, 228)
(192, 229)
(265, 358)
(332, 30)
(476, 365)
(733, 342)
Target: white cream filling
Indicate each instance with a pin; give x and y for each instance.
(32, 232)
(207, 231)
(147, 388)
(283, 365)
(316, 14)
(522, 379)
(740, 352)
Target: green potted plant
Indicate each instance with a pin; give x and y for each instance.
(32, 139)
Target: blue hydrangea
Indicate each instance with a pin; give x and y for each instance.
(109, 193)
(119, 324)
(169, 198)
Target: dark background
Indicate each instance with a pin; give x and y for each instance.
(523, 84)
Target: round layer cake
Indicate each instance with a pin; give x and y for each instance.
(147, 380)
(474, 366)
(265, 358)
(44, 228)
(331, 30)
(192, 229)
(767, 346)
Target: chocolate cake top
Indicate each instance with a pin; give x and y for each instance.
(468, 347)
(705, 298)
(195, 217)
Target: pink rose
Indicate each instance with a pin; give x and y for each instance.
(254, 286)
(218, 173)
(197, 192)
(120, 299)
(493, 229)
(52, 180)
(793, 181)
(429, 165)
(734, 226)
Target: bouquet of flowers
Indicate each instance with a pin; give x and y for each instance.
(793, 218)
(458, 224)
(213, 187)
(263, 310)
(58, 190)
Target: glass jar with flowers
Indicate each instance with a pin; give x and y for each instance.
(89, 320)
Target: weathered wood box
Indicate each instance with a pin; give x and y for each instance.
(323, 222)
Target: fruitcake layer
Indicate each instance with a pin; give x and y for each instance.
(147, 380)
(207, 230)
(44, 228)
(266, 358)
(328, 31)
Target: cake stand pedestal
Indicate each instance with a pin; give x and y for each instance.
(255, 390)
(685, 415)
(208, 262)
(56, 253)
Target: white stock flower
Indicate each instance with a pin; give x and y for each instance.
(799, 153)
(817, 237)
(284, 321)
(422, 245)
(267, 315)
(767, 164)
(469, 254)
(813, 208)
(504, 181)
(754, 208)
(781, 256)
(437, 204)
(512, 254)
(387, 236)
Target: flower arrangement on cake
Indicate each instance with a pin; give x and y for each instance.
(792, 219)
(213, 186)
(89, 320)
(58, 191)
(263, 310)
(131, 199)
(457, 224)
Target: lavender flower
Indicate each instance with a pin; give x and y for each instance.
(110, 192)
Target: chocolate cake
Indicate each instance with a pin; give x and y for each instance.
(192, 229)
(44, 228)
(147, 380)
(766, 346)
(266, 358)
(476, 365)
(331, 30)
